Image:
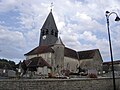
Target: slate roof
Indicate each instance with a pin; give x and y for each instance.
(50, 23)
(88, 54)
(36, 62)
(40, 50)
(70, 53)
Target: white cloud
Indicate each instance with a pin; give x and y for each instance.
(12, 43)
(6, 5)
(88, 36)
(11, 38)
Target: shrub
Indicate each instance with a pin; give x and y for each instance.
(91, 75)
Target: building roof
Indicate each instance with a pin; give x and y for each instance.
(70, 53)
(59, 42)
(40, 50)
(50, 23)
(45, 49)
(36, 62)
(109, 62)
(88, 54)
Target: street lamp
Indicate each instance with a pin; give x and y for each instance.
(111, 54)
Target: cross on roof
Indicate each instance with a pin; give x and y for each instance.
(51, 6)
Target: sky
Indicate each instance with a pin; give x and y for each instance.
(81, 25)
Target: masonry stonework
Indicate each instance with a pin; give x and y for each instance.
(59, 84)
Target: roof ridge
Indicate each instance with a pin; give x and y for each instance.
(88, 50)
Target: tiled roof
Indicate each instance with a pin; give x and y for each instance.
(44, 49)
(70, 53)
(36, 62)
(88, 54)
(40, 50)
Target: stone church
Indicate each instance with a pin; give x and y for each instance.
(52, 56)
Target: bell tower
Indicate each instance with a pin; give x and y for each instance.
(49, 31)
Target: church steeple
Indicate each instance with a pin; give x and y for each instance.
(49, 31)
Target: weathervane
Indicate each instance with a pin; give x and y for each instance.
(51, 6)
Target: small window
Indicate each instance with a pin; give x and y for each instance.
(46, 31)
(43, 33)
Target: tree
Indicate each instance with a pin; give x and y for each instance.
(8, 63)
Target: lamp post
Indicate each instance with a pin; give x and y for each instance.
(111, 53)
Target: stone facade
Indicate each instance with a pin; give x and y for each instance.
(58, 58)
(71, 64)
(94, 63)
(107, 68)
(59, 84)
(66, 62)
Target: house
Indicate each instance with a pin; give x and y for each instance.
(53, 54)
(107, 67)
(91, 60)
(7, 71)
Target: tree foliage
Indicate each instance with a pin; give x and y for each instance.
(7, 64)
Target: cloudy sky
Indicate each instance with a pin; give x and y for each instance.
(81, 24)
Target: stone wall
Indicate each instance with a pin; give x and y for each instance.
(59, 84)
(71, 64)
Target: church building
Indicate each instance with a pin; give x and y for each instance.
(52, 55)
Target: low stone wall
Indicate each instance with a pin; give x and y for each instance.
(59, 84)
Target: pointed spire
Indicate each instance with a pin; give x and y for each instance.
(50, 23)
(59, 42)
(49, 30)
